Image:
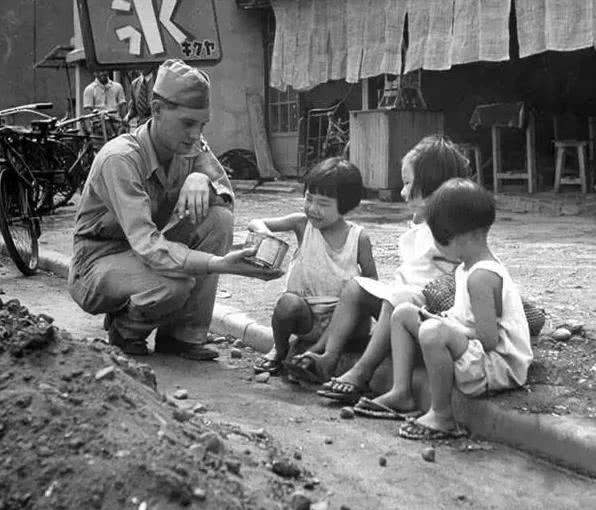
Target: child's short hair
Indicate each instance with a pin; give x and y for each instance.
(434, 160)
(457, 207)
(336, 178)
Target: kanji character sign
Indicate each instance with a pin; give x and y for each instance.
(133, 33)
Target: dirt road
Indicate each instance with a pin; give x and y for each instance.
(343, 454)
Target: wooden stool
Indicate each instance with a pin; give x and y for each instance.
(467, 149)
(581, 147)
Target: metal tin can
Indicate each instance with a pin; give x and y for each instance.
(270, 250)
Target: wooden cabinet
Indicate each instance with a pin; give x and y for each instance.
(380, 138)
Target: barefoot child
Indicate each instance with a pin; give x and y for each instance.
(330, 252)
(424, 168)
(482, 343)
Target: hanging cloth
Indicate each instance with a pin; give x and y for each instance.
(480, 31)
(560, 25)
(355, 37)
(374, 40)
(440, 33)
(395, 14)
(418, 25)
(336, 19)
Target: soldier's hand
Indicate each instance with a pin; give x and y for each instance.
(234, 263)
(193, 200)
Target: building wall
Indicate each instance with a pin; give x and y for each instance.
(23, 42)
(29, 29)
(241, 70)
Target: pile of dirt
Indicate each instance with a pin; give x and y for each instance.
(82, 426)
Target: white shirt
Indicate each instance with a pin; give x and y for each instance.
(103, 97)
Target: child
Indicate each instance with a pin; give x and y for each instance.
(424, 168)
(330, 252)
(482, 343)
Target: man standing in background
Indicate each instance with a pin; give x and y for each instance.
(141, 93)
(104, 94)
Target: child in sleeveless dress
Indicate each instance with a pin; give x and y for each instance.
(482, 343)
(330, 252)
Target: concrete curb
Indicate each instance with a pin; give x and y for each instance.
(570, 442)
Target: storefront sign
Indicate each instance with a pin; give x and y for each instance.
(138, 33)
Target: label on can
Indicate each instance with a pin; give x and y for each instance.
(267, 251)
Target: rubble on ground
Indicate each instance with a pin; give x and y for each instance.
(83, 426)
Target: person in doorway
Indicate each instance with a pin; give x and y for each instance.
(104, 94)
(154, 225)
(141, 92)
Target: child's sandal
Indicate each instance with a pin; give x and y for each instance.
(263, 364)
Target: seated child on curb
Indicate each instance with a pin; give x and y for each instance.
(482, 343)
(430, 163)
(330, 252)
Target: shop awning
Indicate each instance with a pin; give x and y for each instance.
(321, 40)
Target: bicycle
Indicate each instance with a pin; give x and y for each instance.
(19, 220)
(63, 154)
(70, 152)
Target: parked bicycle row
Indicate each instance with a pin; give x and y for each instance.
(43, 162)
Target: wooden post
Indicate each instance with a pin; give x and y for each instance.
(496, 142)
(560, 165)
(531, 152)
(364, 83)
(581, 158)
(78, 94)
(478, 161)
(591, 153)
(256, 118)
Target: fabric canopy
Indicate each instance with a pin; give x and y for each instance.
(321, 40)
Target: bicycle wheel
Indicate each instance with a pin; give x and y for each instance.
(17, 223)
(62, 176)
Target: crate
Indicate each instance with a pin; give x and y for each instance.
(379, 139)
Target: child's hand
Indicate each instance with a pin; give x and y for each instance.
(424, 314)
(259, 227)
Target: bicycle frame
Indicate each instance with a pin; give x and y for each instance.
(6, 149)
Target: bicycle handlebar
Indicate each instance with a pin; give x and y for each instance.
(31, 106)
(94, 115)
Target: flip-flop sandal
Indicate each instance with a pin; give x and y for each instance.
(273, 366)
(371, 409)
(418, 432)
(306, 373)
(352, 394)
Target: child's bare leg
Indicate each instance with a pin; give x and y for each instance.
(440, 345)
(376, 351)
(355, 304)
(291, 316)
(404, 346)
(321, 343)
(379, 346)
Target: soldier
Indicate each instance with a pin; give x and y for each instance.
(155, 224)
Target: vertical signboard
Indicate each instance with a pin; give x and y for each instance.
(140, 33)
